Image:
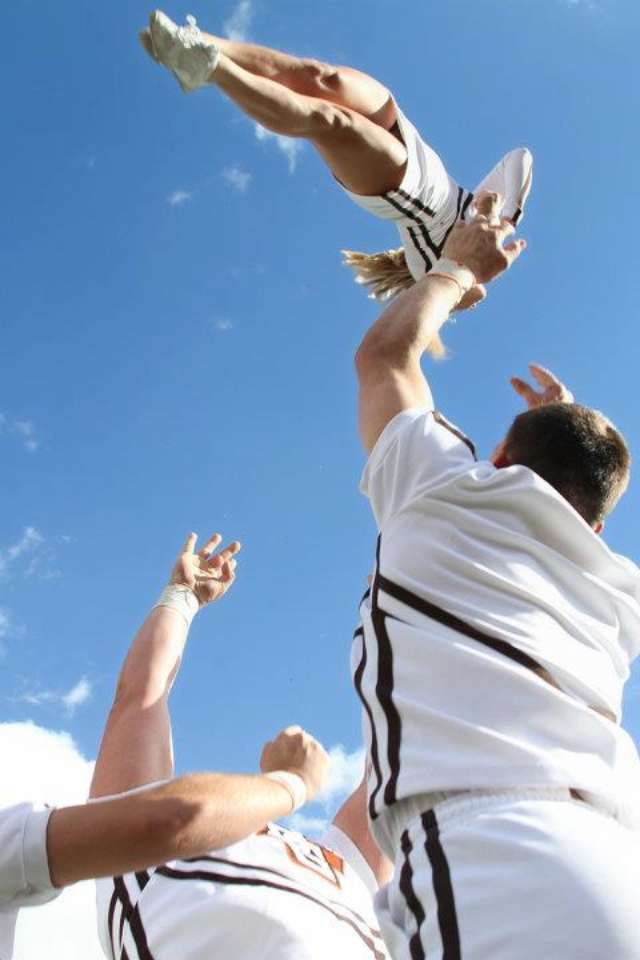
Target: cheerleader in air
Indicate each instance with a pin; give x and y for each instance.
(373, 151)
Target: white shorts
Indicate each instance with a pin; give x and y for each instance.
(528, 875)
(429, 202)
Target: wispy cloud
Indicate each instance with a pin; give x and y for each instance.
(286, 145)
(237, 26)
(71, 700)
(24, 429)
(6, 629)
(30, 557)
(222, 324)
(25, 546)
(237, 178)
(179, 197)
(345, 773)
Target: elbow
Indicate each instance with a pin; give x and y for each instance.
(173, 826)
(379, 353)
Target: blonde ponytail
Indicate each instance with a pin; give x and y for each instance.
(386, 275)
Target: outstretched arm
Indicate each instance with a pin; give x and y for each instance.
(136, 746)
(183, 818)
(388, 361)
(189, 816)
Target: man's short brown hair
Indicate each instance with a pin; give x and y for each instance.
(575, 449)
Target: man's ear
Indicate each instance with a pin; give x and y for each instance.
(499, 458)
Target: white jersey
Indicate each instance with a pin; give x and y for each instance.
(497, 636)
(24, 868)
(429, 202)
(274, 896)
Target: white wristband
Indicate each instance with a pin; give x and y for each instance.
(293, 784)
(458, 272)
(181, 599)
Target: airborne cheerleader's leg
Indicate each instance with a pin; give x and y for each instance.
(343, 113)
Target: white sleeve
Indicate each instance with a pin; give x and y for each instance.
(24, 867)
(416, 451)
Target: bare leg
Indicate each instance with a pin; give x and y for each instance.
(361, 153)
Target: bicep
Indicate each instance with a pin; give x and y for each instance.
(384, 393)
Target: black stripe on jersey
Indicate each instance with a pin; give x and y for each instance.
(406, 888)
(517, 216)
(447, 917)
(442, 420)
(254, 868)
(410, 215)
(416, 242)
(465, 206)
(131, 915)
(447, 619)
(384, 693)
(374, 752)
(453, 222)
(210, 877)
(422, 207)
(110, 918)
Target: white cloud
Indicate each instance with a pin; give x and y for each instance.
(178, 198)
(236, 27)
(25, 430)
(345, 773)
(237, 178)
(71, 700)
(287, 145)
(30, 541)
(5, 622)
(78, 695)
(46, 765)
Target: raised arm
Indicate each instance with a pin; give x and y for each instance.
(388, 361)
(136, 746)
(189, 816)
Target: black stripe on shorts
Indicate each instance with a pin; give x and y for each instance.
(413, 903)
(443, 889)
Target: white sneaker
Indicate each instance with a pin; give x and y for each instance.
(190, 57)
(147, 42)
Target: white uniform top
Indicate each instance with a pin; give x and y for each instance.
(274, 896)
(484, 576)
(24, 868)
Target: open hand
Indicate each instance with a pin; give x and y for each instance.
(207, 573)
(480, 244)
(553, 390)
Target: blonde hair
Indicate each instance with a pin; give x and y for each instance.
(386, 275)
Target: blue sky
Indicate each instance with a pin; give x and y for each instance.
(177, 334)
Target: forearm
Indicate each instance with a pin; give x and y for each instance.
(136, 746)
(388, 361)
(405, 329)
(182, 819)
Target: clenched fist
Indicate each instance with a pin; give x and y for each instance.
(297, 751)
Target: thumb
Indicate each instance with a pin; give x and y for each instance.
(514, 249)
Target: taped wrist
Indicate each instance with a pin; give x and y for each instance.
(181, 599)
(293, 784)
(458, 272)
